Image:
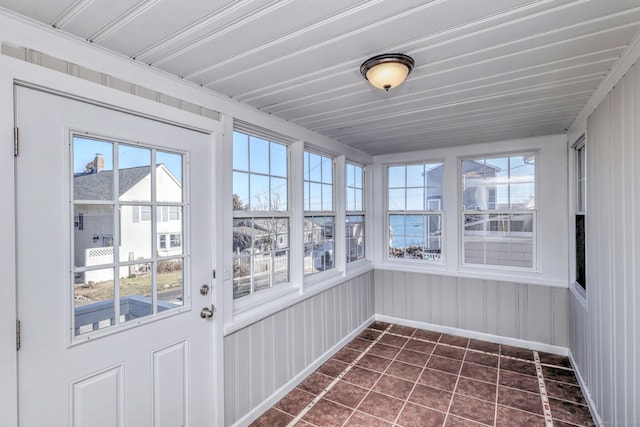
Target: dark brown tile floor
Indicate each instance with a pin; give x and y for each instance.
(392, 375)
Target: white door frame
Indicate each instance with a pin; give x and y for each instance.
(32, 75)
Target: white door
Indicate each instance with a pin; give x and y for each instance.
(114, 244)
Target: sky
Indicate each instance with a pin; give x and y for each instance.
(85, 150)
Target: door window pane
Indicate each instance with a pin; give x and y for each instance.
(170, 276)
(134, 173)
(92, 235)
(110, 262)
(169, 177)
(93, 300)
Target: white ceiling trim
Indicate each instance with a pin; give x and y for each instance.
(233, 25)
(202, 23)
(292, 35)
(70, 14)
(122, 20)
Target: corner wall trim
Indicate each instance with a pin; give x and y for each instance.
(585, 391)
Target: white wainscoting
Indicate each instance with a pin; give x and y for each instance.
(532, 313)
(267, 359)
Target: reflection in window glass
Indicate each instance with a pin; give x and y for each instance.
(499, 210)
(120, 265)
(415, 199)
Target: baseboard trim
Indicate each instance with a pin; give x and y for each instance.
(585, 392)
(532, 345)
(286, 388)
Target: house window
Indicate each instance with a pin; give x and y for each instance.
(261, 216)
(581, 210)
(499, 210)
(175, 240)
(121, 277)
(415, 211)
(168, 213)
(319, 219)
(141, 213)
(355, 219)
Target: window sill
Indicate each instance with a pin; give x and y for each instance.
(256, 309)
(528, 277)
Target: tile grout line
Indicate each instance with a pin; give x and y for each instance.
(495, 415)
(455, 387)
(371, 389)
(335, 381)
(415, 383)
(548, 419)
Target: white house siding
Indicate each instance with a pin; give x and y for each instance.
(268, 355)
(605, 332)
(522, 311)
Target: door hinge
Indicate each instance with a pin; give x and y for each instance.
(17, 335)
(16, 142)
(213, 274)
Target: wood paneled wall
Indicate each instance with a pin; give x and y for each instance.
(515, 310)
(265, 356)
(605, 332)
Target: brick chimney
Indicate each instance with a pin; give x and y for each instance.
(98, 163)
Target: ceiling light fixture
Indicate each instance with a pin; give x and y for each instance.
(388, 70)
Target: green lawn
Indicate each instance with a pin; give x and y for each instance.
(139, 285)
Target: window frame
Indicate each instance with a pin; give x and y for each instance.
(362, 212)
(425, 213)
(535, 266)
(579, 151)
(114, 238)
(261, 215)
(322, 213)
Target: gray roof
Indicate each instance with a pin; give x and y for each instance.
(99, 186)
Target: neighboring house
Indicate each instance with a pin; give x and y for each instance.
(93, 224)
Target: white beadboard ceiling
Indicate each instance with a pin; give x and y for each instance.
(486, 70)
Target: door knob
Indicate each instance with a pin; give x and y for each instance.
(207, 312)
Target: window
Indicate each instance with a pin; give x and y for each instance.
(355, 231)
(121, 277)
(415, 211)
(175, 240)
(499, 210)
(168, 213)
(141, 213)
(581, 210)
(261, 216)
(319, 216)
